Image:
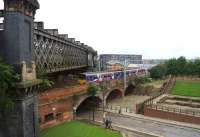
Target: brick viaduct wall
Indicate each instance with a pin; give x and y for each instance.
(59, 103)
(61, 110)
(171, 116)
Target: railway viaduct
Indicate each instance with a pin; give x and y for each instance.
(114, 89)
(25, 45)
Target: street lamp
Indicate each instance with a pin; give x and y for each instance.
(102, 88)
(124, 74)
(125, 67)
(74, 112)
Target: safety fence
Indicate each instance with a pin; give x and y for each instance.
(175, 110)
(119, 109)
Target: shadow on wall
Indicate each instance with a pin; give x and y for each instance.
(114, 95)
(130, 90)
(88, 104)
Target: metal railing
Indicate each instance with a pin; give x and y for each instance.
(119, 109)
(175, 110)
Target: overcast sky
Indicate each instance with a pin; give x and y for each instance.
(153, 28)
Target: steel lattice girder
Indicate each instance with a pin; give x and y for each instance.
(55, 54)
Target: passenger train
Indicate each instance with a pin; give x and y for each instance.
(102, 76)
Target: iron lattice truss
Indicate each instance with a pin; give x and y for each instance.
(56, 54)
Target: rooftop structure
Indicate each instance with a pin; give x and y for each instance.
(120, 58)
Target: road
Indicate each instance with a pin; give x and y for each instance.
(159, 128)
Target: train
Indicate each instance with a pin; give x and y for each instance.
(103, 76)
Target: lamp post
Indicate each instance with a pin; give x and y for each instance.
(125, 67)
(124, 74)
(74, 112)
(103, 90)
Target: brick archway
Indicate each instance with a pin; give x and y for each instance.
(85, 103)
(130, 89)
(113, 94)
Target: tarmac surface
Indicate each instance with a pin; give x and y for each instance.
(155, 127)
(140, 126)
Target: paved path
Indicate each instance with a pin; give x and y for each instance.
(156, 127)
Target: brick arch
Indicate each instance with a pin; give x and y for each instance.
(115, 92)
(129, 89)
(84, 98)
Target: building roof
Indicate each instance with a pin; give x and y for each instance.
(133, 66)
(112, 62)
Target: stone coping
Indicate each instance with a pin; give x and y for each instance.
(26, 84)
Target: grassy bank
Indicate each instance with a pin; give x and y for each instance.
(77, 129)
(186, 88)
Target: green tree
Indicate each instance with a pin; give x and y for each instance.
(171, 67)
(158, 71)
(196, 67)
(190, 68)
(92, 90)
(181, 63)
(176, 67)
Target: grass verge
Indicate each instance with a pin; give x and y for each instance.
(186, 88)
(77, 129)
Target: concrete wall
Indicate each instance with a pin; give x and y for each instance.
(171, 116)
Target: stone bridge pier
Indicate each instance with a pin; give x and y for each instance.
(16, 49)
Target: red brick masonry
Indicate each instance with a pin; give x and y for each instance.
(58, 104)
(171, 116)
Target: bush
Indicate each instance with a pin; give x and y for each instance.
(92, 89)
(8, 78)
(158, 72)
(141, 80)
(40, 72)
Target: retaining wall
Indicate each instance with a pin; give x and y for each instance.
(171, 116)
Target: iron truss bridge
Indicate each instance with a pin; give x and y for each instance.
(56, 52)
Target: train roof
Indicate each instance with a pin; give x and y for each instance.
(105, 72)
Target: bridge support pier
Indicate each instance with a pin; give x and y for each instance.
(22, 119)
(17, 50)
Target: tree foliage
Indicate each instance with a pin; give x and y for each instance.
(141, 80)
(40, 72)
(92, 89)
(158, 71)
(8, 79)
(176, 67)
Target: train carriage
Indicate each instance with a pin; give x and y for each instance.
(102, 76)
